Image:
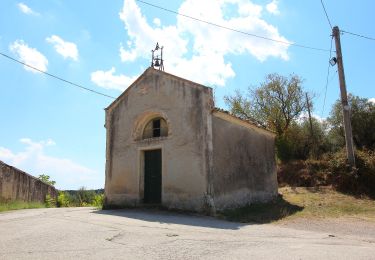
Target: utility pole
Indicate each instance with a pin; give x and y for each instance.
(344, 99)
(308, 110)
(312, 142)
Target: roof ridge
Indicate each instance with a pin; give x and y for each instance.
(157, 71)
(249, 121)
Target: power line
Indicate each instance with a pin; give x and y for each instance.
(358, 35)
(231, 29)
(355, 34)
(325, 11)
(329, 65)
(56, 77)
(333, 76)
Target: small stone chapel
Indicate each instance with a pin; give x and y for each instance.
(168, 145)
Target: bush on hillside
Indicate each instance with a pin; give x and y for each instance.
(80, 198)
(63, 199)
(361, 180)
(332, 169)
(50, 201)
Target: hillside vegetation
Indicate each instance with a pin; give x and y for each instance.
(311, 150)
(332, 170)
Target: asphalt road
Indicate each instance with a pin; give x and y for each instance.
(86, 233)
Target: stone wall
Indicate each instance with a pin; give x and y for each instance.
(18, 185)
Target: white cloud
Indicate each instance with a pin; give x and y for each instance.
(319, 118)
(29, 56)
(64, 48)
(6, 154)
(372, 100)
(25, 9)
(156, 21)
(206, 61)
(127, 55)
(305, 116)
(108, 80)
(34, 160)
(273, 7)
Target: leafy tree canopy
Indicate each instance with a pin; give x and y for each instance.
(275, 103)
(46, 179)
(362, 119)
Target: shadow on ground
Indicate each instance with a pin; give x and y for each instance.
(262, 213)
(171, 217)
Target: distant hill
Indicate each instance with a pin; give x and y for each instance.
(74, 192)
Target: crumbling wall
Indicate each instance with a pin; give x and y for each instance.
(18, 185)
(244, 163)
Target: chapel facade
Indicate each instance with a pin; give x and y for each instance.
(167, 144)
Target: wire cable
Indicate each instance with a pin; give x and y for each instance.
(329, 66)
(325, 11)
(231, 29)
(56, 77)
(358, 35)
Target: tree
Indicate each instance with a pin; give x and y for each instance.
(46, 179)
(305, 145)
(276, 103)
(239, 105)
(362, 119)
(85, 197)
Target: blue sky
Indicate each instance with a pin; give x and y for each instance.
(50, 127)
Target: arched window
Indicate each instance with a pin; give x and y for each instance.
(156, 127)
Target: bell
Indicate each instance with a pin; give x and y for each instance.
(157, 63)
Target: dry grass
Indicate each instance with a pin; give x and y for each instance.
(304, 202)
(324, 202)
(13, 205)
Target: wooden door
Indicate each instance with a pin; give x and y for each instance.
(152, 188)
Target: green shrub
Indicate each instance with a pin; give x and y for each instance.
(361, 180)
(284, 149)
(85, 197)
(80, 198)
(98, 201)
(50, 201)
(63, 199)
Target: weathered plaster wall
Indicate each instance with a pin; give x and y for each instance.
(18, 185)
(186, 107)
(243, 162)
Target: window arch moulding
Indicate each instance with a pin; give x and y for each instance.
(151, 124)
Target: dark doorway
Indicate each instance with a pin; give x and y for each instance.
(152, 177)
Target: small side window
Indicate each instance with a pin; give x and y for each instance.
(156, 127)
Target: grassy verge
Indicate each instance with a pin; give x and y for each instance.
(12, 205)
(326, 202)
(304, 202)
